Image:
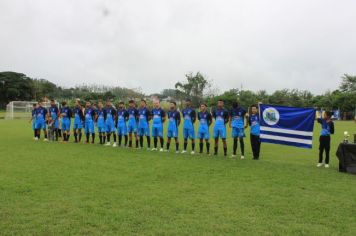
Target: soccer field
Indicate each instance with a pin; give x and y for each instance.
(61, 189)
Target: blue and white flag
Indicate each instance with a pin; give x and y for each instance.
(291, 126)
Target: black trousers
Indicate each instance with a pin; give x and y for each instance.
(255, 145)
(324, 145)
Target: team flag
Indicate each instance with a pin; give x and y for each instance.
(291, 126)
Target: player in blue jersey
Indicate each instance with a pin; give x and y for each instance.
(121, 120)
(54, 117)
(132, 122)
(100, 122)
(221, 116)
(254, 123)
(189, 117)
(205, 120)
(33, 120)
(144, 117)
(237, 125)
(173, 124)
(89, 118)
(66, 114)
(327, 128)
(41, 117)
(158, 118)
(110, 122)
(78, 121)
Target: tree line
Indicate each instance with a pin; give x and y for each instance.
(17, 86)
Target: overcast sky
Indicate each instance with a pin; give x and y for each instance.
(259, 44)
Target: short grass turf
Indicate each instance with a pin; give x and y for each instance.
(61, 189)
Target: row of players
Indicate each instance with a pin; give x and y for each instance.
(134, 124)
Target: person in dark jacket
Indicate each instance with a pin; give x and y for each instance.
(327, 128)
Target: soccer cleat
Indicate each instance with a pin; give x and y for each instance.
(36, 139)
(177, 152)
(233, 156)
(107, 144)
(148, 149)
(154, 149)
(192, 152)
(326, 165)
(161, 150)
(319, 165)
(45, 140)
(242, 157)
(114, 145)
(184, 151)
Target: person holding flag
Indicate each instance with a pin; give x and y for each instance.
(173, 124)
(254, 123)
(221, 116)
(327, 128)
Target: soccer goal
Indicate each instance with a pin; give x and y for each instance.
(21, 109)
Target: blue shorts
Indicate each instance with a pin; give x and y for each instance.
(237, 132)
(220, 132)
(172, 133)
(40, 124)
(188, 133)
(110, 127)
(101, 127)
(122, 130)
(132, 127)
(145, 131)
(203, 134)
(77, 125)
(89, 127)
(65, 125)
(157, 131)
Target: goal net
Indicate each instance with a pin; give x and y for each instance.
(21, 109)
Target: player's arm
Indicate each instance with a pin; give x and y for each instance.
(213, 114)
(148, 115)
(81, 114)
(69, 113)
(230, 118)
(193, 116)
(332, 128)
(210, 119)
(226, 117)
(105, 114)
(246, 119)
(163, 115)
(178, 118)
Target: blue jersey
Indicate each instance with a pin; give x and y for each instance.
(78, 115)
(221, 116)
(189, 117)
(205, 120)
(237, 117)
(53, 112)
(144, 116)
(122, 116)
(327, 127)
(41, 113)
(66, 112)
(101, 117)
(110, 115)
(133, 113)
(158, 117)
(173, 119)
(89, 114)
(254, 122)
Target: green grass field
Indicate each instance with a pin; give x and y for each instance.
(62, 189)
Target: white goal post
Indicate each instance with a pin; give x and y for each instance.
(21, 109)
